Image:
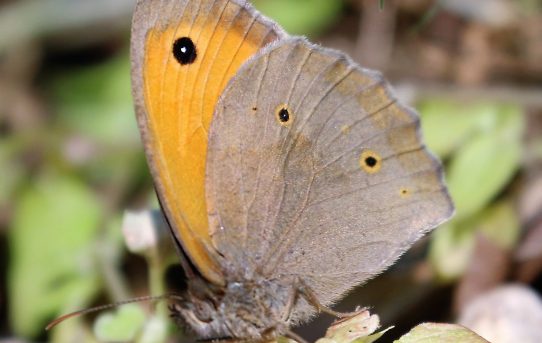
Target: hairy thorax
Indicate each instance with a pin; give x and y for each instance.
(255, 310)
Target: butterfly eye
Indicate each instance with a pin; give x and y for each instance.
(370, 161)
(284, 115)
(185, 51)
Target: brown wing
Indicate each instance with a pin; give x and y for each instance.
(315, 170)
(175, 98)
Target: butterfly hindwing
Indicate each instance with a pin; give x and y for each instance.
(316, 171)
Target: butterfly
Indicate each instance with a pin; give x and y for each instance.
(288, 173)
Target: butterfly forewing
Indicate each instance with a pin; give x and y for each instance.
(184, 52)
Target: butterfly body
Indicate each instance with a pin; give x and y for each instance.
(288, 173)
(254, 309)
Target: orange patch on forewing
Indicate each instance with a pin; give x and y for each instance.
(180, 102)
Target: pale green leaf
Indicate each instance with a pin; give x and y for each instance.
(447, 125)
(500, 223)
(301, 17)
(51, 267)
(97, 102)
(440, 333)
(452, 244)
(13, 173)
(75, 328)
(450, 250)
(155, 330)
(483, 166)
(121, 326)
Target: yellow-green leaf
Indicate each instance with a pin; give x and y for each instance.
(302, 17)
(484, 165)
(51, 264)
(121, 326)
(450, 250)
(447, 125)
(500, 223)
(440, 333)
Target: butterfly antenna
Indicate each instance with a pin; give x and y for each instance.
(109, 306)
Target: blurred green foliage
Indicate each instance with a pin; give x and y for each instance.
(94, 104)
(440, 333)
(302, 17)
(97, 102)
(482, 145)
(53, 269)
(30, 20)
(122, 326)
(61, 220)
(14, 176)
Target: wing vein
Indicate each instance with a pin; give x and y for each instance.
(255, 193)
(369, 186)
(206, 75)
(275, 172)
(359, 145)
(313, 110)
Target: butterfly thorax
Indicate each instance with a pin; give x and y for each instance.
(253, 310)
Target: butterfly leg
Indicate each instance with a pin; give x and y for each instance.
(291, 303)
(286, 315)
(309, 295)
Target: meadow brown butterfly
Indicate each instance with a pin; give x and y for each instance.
(288, 173)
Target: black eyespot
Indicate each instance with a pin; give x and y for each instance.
(185, 51)
(371, 162)
(284, 115)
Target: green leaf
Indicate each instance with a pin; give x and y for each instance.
(51, 264)
(447, 124)
(450, 250)
(13, 173)
(94, 104)
(97, 101)
(121, 326)
(301, 17)
(484, 166)
(75, 328)
(440, 333)
(156, 330)
(452, 244)
(500, 223)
